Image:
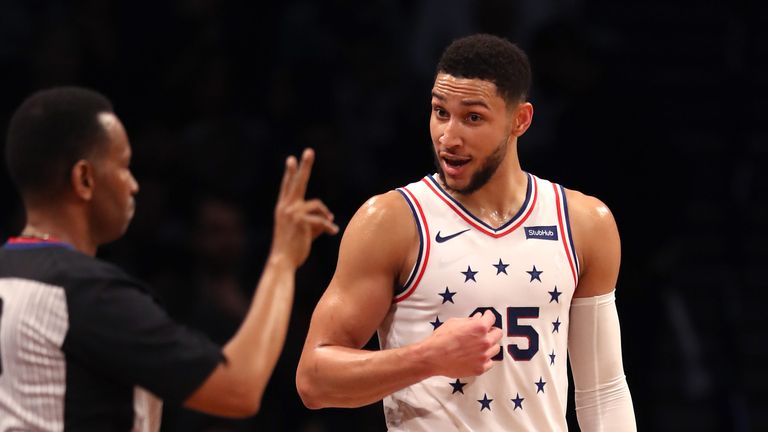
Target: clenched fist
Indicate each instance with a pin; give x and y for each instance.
(463, 347)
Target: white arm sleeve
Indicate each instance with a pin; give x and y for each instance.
(603, 401)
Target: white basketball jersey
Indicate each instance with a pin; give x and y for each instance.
(525, 271)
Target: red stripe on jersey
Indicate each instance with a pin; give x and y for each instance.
(563, 233)
(31, 240)
(427, 241)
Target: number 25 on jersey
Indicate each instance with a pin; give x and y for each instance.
(515, 329)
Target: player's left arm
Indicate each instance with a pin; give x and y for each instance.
(603, 400)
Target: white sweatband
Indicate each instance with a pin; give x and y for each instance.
(603, 401)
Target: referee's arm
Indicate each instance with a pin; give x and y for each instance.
(235, 387)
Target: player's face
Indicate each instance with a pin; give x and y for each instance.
(115, 186)
(471, 129)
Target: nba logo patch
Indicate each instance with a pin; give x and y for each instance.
(541, 232)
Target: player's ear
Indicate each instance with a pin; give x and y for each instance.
(521, 118)
(82, 179)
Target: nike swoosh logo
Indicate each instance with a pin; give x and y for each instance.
(440, 239)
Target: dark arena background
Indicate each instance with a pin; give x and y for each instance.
(656, 107)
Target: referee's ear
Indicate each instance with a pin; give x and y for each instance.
(82, 180)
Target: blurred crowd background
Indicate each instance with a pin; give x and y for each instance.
(656, 107)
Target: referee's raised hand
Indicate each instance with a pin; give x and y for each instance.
(236, 388)
(299, 221)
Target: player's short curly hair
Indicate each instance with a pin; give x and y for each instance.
(49, 132)
(489, 58)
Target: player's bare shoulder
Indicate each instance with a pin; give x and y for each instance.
(386, 208)
(593, 226)
(382, 229)
(588, 212)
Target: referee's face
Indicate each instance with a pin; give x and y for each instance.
(115, 188)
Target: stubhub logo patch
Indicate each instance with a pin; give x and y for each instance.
(541, 232)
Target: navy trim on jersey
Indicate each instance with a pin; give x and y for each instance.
(401, 289)
(519, 213)
(37, 245)
(568, 224)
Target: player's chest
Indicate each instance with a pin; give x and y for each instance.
(487, 271)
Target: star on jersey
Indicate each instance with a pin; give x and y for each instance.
(518, 401)
(555, 325)
(501, 267)
(535, 274)
(540, 385)
(552, 358)
(437, 323)
(469, 275)
(555, 295)
(485, 402)
(447, 295)
(458, 386)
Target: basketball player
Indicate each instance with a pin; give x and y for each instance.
(481, 279)
(83, 345)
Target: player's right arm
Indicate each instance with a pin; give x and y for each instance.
(377, 249)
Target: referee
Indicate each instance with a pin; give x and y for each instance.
(84, 346)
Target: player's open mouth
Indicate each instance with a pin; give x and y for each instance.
(456, 161)
(454, 166)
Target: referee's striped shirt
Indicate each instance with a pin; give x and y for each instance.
(83, 346)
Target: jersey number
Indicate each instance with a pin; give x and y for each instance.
(514, 329)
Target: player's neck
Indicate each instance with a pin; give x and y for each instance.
(500, 199)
